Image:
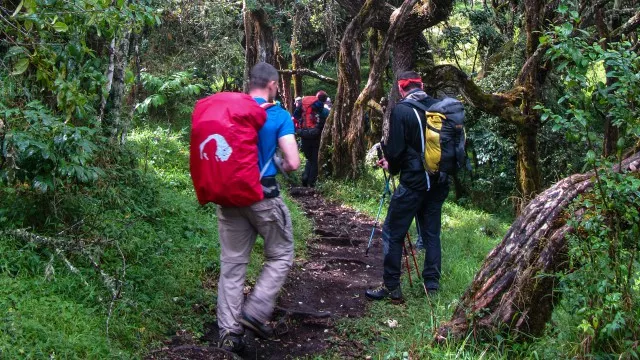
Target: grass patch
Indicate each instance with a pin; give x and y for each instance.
(143, 210)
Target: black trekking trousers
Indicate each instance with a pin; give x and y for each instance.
(426, 207)
(310, 148)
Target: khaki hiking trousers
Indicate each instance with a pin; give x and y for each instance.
(238, 229)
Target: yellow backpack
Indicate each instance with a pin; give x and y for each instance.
(444, 138)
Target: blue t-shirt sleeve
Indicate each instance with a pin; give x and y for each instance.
(286, 126)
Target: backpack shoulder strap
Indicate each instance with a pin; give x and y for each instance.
(423, 147)
(266, 106)
(415, 104)
(266, 166)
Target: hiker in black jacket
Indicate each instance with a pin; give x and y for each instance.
(418, 196)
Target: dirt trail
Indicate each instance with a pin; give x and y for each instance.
(327, 286)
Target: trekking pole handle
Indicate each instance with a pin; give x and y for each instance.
(379, 151)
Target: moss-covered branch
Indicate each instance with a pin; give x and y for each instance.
(308, 72)
(632, 24)
(504, 105)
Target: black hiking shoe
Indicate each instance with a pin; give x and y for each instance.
(381, 292)
(232, 342)
(262, 330)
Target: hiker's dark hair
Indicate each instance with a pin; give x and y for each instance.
(261, 74)
(406, 75)
(322, 96)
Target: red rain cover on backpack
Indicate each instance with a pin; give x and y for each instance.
(224, 149)
(309, 116)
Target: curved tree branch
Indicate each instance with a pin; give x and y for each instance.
(503, 105)
(308, 72)
(382, 59)
(425, 14)
(356, 138)
(532, 64)
(588, 16)
(334, 150)
(372, 104)
(632, 24)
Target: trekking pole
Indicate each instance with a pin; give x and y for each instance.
(413, 255)
(385, 192)
(375, 224)
(406, 261)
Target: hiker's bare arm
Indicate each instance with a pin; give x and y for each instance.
(289, 147)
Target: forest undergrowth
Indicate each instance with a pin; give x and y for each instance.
(144, 230)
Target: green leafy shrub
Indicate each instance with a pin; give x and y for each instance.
(172, 95)
(53, 86)
(600, 307)
(46, 151)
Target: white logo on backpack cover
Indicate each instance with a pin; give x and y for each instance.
(223, 150)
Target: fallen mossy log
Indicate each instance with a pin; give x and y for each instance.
(513, 292)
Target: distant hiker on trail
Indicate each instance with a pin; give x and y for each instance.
(255, 208)
(312, 116)
(423, 188)
(297, 108)
(297, 112)
(328, 104)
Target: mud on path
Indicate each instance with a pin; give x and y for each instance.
(325, 287)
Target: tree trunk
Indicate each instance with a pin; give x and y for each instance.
(258, 38)
(458, 187)
(410, 50)
(611, 132)
(307, 72)
(356, 135)
(137, 87)
(527, 165)
(331, 30)
(285, 91)
(284, 86)
(113, 124)
(109, 76)
(2, 136)
(531, 78)
(374, 129)
(513, 292)
(334, 150)
(296, 61)
(409, 53)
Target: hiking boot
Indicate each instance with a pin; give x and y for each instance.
(381, 292)
(231, 342)
(262, 330)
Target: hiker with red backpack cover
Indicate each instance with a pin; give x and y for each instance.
(233, 164)
(311, 116)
